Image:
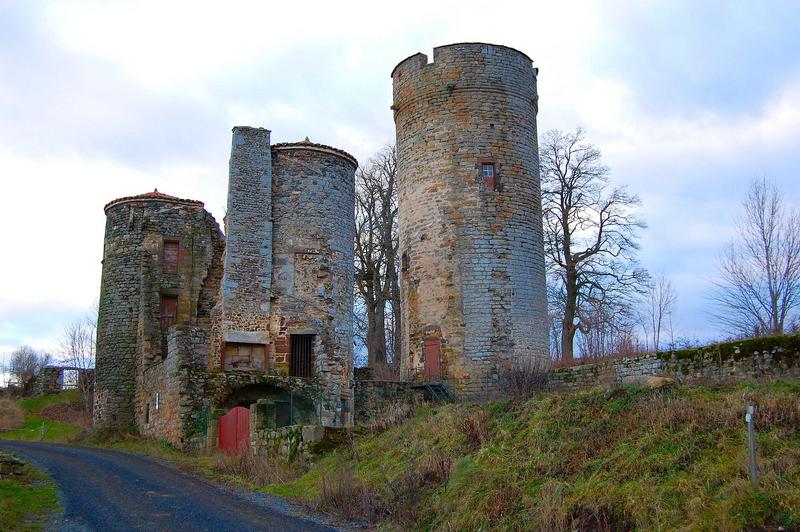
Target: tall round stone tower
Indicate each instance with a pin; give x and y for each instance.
(472, 270)
(162, 262)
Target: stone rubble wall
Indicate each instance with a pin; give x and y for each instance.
(776, 357)
(49, 381)
(473, 273)
(184, 404)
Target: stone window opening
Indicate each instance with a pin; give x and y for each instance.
(147, 413)
(300, 355)
(157, 402)
(169, 262)
(238, 355)
(404, 262)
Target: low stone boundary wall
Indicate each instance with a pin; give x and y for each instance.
(374, 397)
(775, 357)
(295, 441)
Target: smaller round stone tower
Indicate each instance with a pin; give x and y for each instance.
(288, 282)
(162, 263)
(470, 219)
(313, 231)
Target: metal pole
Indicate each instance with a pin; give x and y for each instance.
(751, 439)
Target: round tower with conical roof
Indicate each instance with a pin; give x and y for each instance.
(162, 264)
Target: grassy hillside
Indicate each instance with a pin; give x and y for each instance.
(660, 459)
(38, 419)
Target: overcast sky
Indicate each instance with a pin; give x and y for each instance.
(688, 102)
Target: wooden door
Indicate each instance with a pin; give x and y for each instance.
(234, 431)
(433, 365)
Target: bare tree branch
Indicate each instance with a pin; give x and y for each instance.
(758, 289)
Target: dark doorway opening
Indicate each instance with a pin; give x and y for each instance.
(300, 361)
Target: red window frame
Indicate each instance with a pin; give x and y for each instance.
(488, 182)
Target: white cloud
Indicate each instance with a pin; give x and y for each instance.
(116, 98)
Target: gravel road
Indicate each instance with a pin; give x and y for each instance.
(110, 490)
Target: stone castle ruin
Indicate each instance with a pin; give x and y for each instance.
(198, 329)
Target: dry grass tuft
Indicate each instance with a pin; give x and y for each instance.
(525, 378)
(258, 470)
(350, 498)
(475, 427)
(11, 416)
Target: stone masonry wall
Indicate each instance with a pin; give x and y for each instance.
(50, 380)
(179, 380)
(473, 273)
(130, 336)
(777, 357)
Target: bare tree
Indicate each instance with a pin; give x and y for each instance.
(758, 289)
(25, 364)
(77, 349)
(658, 305)
(376, 254)
(590, 232)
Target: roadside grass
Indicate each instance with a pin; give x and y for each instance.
(614, 459)
(36, 427)
(27, 501)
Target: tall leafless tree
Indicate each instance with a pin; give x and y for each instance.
(77, 350)
(758, 288)
(590, 232)
(376, 254)
(25, 363)
(658, 305)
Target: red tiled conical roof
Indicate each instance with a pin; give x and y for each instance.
(155, 195)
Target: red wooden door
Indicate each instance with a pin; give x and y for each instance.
(433, 366)
(234, 430)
